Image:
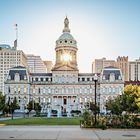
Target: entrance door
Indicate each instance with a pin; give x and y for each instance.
(65, 100)
(64, 110)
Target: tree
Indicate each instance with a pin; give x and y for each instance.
(2, 102)
(91, 106)
(131, 98)
(114, 105)
(13, 105)
(94, 108)
(129, 101)
(37, 108)
(3, 105)
(32, 105)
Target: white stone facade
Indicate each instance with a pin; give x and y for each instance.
(111, 85)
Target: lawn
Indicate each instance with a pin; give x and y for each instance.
(42, 121)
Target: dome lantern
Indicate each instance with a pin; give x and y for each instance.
(66, 25)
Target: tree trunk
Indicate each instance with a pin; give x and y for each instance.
(12, 112)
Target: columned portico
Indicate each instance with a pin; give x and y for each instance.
(63, 102)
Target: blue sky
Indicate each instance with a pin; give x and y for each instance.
(102, 28)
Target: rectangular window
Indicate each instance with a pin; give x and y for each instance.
(25, 89)
(88, 79)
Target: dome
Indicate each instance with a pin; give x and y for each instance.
(66, 35)
(66, 39)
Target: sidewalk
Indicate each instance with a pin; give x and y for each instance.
(65, 133)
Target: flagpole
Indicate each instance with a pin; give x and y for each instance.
(16, 31)
(16, 28)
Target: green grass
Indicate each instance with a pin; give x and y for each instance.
(42, 121)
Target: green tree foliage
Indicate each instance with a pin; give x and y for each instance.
(129, 101)
(37, 108)
(114, 105)
(133, 93)
(91, 106)
(32, 105)
(3, 105)
(2, 102)
(13, 105)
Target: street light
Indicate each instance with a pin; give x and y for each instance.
(98, 106)
(95, 80)
(23, 104)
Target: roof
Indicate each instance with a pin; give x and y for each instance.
(22, 74)
(86, 74)
(107, 74)
(41, 74)
(66, 35)
(19, 67)
(132, 82)
(110, 67)
(5, 46)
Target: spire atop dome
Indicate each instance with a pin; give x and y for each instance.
(66, 25)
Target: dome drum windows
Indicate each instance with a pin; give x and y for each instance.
(66, 41)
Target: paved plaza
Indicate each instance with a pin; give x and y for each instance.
(65, 133)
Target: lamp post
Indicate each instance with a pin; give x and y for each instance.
(106, 98)
(98, 106)
(11, 107)
(23, 104)
(95, 80)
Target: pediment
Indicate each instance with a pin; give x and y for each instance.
(64, 68)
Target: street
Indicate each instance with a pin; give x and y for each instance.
(65, 133)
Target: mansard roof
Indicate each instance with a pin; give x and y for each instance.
(22, 74)
(19, 67)
(110, 67)
(116, 73)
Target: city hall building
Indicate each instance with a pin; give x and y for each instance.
(64, 89)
